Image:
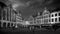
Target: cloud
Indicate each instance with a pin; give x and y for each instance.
(19, 4)
(28, 6)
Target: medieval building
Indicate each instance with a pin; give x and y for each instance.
(9, 17)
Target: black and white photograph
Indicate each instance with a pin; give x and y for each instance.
(29, 16)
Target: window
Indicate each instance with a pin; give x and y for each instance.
(55, 19)
(52, 15)
(46, 16)
(4, 14)
(4, 24)
(59, 19)
(45, 21)
(52, 20)
(0, 17)
(56, 14)
(59, 14)
(8, 25)
(49, 20)
(12, 24)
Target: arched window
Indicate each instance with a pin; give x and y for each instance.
(52, 15)
(59, 19)
(56, 14)
(59, 14)
(52, 20)
(55, 19)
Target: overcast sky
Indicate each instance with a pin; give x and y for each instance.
(29, 7)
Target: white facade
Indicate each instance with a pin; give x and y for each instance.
(55, 17)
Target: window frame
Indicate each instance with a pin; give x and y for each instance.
(52, 15)
(55, 19)
(59, 19)
(59, 14)
(52, 20)
(55, 14)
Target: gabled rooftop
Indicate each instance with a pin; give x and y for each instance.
(45, 11)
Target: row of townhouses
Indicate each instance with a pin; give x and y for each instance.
(46, 18)
(8, 16)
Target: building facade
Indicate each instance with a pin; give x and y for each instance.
(46, 16)
(7, 17)
(18, 17)
(38, 18)
(55, 17)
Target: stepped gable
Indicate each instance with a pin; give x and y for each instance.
(45, 11)
(38, 15)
